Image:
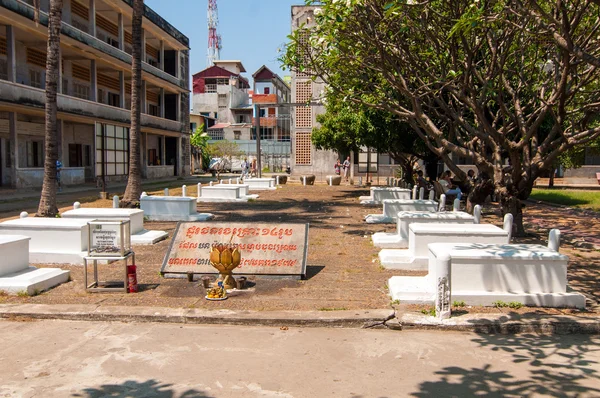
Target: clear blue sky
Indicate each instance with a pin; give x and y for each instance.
(251, 30)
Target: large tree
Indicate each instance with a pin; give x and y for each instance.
(475, 79)
(133, 191)
(47, 206)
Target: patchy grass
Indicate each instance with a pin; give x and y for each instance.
(333, 309)
(586, 199)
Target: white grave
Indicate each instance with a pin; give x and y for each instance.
(391, 208)
(415, 257)
(481, 274)
(226, 193)
(399, 239)
(139, 235)
(53, 240)
(378, 195)
(17, 276)
(172, 208)
(261, 184)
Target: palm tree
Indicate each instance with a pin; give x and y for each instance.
(47, 206)
(131, 198)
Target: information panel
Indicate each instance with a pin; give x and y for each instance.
(267, 249)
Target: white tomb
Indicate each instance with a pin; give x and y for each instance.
(53, 240)
(481, 274)
(379, 194)
(226, 193)
(415, 257)
(139, 235)
(16, 276)
(391, 208)
(261, 184)
(171, 208)
(399, 239)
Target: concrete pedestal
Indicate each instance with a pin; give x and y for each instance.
(483, 274)
(172, 208)
(391, 208)
(421, 235)
(260, 184)
(53, 240)
(378, 195)
(399, 239)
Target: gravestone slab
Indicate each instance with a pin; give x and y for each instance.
(267, 249)
(261, 184)
(391, 208)
(172, 208)
(53, 240)
(399, 239)
(135, 216)
(379, 194)
(421, 235)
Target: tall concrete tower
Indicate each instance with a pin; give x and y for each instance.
(214, 39)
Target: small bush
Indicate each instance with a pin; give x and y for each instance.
(459, 304)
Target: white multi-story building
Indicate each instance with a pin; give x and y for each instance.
(94, 93)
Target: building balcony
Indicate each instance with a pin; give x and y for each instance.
(264, 99)
(97, 46)
(22, 95)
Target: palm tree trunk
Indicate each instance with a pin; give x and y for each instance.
(47, 206)
(131, 198)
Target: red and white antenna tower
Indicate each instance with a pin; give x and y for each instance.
(214, 39)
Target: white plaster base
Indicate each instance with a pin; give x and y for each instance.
(56, 257)
(399, 239)
(135, 216)
(416, 257)
(261, 184)
(183, 217)
(148, 237)
(33, 280)
(420, 290)
(378, 195)
(391, 208)
(14, 253)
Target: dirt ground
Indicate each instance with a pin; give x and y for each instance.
(342, 269)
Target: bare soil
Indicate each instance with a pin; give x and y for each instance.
(342, 270)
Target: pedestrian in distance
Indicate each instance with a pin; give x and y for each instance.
(346, 167)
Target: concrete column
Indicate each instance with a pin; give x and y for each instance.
(94, 81)
(161, 54)
(121, 89)
(163, 156)
(14, 147)
(143, 45)
(144, 104)
(92, 17)
(162, 103)
(121, 38)
(11, 54)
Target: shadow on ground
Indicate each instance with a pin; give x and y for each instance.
(559, 366)
(135, 389)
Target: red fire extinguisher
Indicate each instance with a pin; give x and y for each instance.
(132, 286)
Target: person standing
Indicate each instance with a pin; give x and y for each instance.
(346, 166)
(337, 166)
(244, 168)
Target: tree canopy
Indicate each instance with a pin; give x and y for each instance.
(474, 79)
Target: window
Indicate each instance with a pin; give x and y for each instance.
(153, 158)
(261, 112)
(303, 113)
(112, 150)
(267, 90)
(193, 127)
(241, 119)
(81, 91)
(303, 148)
(65, 86)
(216, 134)
(3, 70)
(152, 109)
(237, 135)
(222, 101)
(211, 88)
(114, 99)
(34, 154)
(35, 78)
(79, 155)
(100, 97)
(7, 153)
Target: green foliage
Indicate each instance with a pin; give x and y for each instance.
(459, 304)
(513, 304)
(583, 199)
(199, 142)
(428, 311)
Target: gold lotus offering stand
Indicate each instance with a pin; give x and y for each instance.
(225, 258)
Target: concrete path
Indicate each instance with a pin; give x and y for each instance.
(95, 359)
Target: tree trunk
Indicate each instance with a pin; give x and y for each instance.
(47, 206)
(133, 191)
(479, 194)
(510, 203)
